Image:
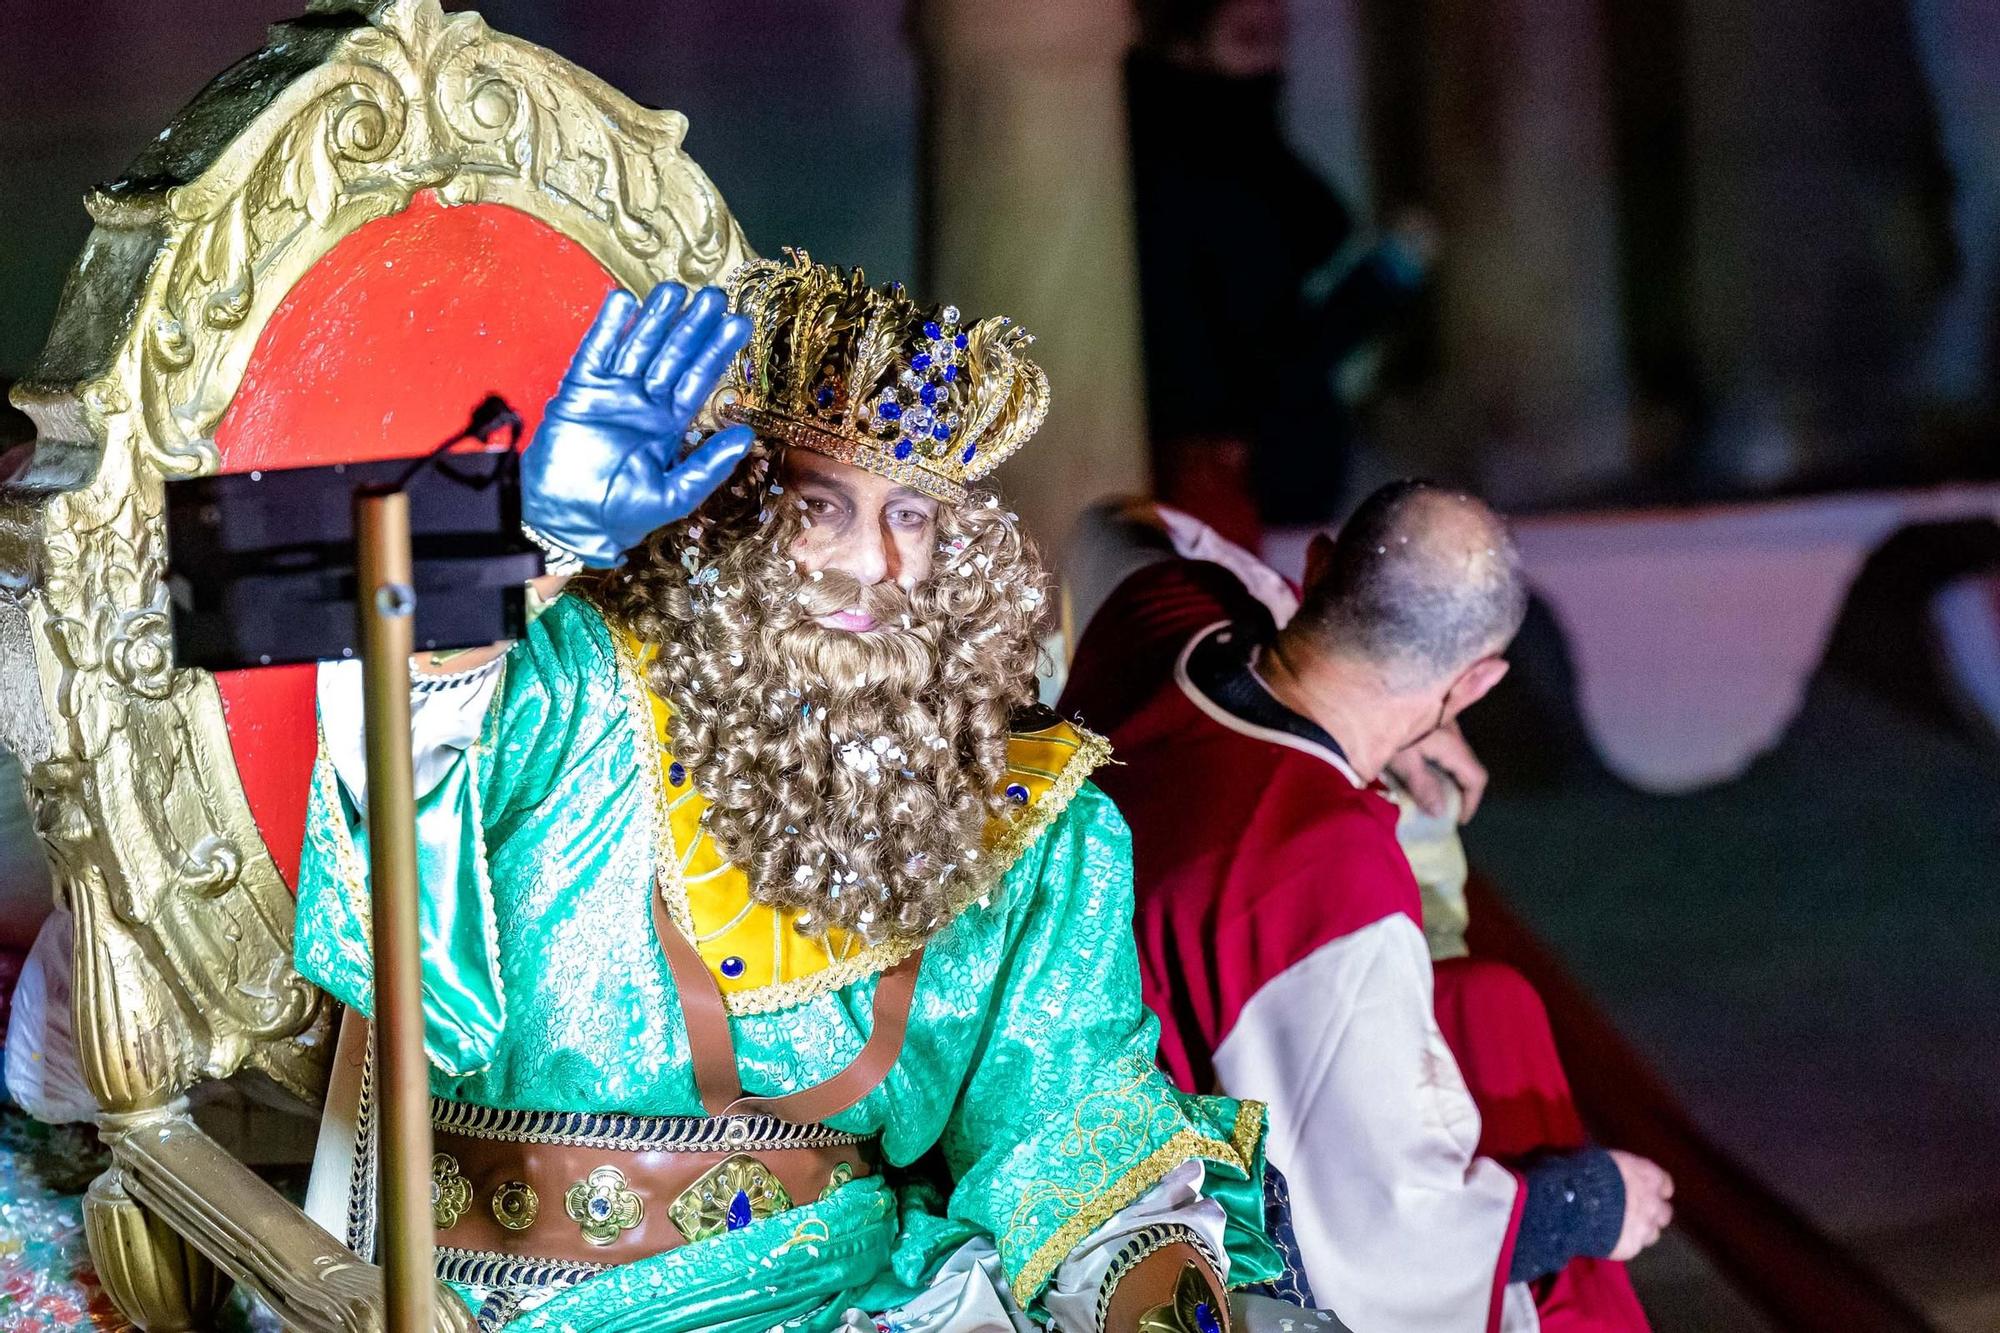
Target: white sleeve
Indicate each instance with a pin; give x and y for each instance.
(1071, 1298)
(1401, 1225)
(446, 713)
(44, 1070)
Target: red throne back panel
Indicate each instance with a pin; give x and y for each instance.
(381, 351)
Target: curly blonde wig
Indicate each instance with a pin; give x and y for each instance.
(850, 775)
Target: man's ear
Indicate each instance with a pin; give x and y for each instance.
(1319, 559)
(1473, 684)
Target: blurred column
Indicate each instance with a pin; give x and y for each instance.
(1958, 42)
(1027, 211)
(1516, 143)
(1820, 234)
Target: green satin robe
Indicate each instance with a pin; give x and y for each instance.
(1029, 1057)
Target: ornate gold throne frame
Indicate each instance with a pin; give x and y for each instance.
(145, 787)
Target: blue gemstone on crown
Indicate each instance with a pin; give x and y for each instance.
(959, 341)
(600, 1207)
(970, 450)
(931, 330)
(940, 431)
(921, 361)
(889, 411)
(825, 395)
(677, 773)
(739, 1213)
(1204, 1318)
(903, 448)
(1017, 793)
(950, 374)
(928, 393)
(732, 967)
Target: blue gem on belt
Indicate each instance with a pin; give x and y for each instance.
(1192, 1309)
(727, 1197)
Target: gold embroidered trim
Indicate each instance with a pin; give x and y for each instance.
(346, 856)
(1248, 1130)
(1091, 752)
(812, 1231)
(1184, 1146)
(646, 736)
(475, 753)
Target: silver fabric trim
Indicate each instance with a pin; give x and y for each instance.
(484, 1268)
(497, 1309)
(556, 558)
(361, 1191)
(632, 1133)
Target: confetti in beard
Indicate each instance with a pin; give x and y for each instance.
(851, 775)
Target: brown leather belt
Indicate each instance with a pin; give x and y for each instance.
(521, 1196)
(515, 1186)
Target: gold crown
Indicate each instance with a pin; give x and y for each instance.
(869, 377)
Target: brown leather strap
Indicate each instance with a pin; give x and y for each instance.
(709, 1042)
(895, 989)
(714, 1051)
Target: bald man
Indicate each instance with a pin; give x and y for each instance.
(1280, 935)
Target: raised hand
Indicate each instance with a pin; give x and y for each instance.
(604, 470)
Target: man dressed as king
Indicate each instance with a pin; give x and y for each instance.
(779, 966)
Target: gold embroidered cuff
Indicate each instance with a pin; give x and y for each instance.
(1184, 1146)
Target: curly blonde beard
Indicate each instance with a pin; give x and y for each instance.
(849, 775)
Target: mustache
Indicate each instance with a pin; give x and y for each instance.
(832, 592)
(897, 658)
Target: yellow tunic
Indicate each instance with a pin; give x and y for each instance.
(780, 965)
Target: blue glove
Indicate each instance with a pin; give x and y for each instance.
(604, 471)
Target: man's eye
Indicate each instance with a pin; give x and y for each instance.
(909, 518)
(816, 505)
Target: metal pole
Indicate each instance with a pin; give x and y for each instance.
(386, 605)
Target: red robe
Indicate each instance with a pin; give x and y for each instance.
(1280, 944)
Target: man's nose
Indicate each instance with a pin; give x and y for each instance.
(865, 556)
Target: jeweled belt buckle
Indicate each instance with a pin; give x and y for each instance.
(603, 1206)
(1192, 1310)
(727, 1197)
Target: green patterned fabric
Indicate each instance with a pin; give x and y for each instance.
(1029, 1058)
